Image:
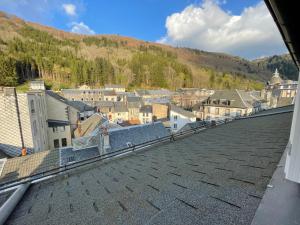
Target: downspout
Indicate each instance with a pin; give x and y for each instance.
(10, 204)
(19, 118)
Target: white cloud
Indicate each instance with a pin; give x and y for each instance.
(208, 27)
(69, 9)
(81, 28)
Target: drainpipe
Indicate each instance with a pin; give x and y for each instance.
(19, 120)
(10, 204)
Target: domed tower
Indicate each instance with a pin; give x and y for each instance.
(275, 78)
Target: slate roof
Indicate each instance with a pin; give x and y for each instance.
(62, 99)
(133, 99)
(214, 177)
(135, 135)
(182, 111)
(81, 106)
(146, 109)
(237, 98)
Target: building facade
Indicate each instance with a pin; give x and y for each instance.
(179, 118)
(23, 121)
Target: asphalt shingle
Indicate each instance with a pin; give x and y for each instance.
(214, 177)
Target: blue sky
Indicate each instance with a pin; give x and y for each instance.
(156, 20)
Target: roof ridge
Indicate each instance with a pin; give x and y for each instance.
(241, 97)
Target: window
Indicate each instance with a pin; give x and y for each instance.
(32, 106)
(55, 129)
(227, 112)
(208, 109)
(175, 117)
(64, 142)
(217, 111)
(239, 113)
(56, 143)
(109, 109)
(175, 126)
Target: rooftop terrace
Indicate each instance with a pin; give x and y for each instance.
(217, 176)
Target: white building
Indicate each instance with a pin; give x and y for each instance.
(179, 118)
(145, 114)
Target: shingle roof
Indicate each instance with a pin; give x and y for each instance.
(182, 111)
(214, 177)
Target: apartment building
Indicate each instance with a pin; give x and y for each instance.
(23, 121)
(225, 104)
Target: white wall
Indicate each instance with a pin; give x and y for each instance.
(180, 121)
(292, 167)
(60, 134)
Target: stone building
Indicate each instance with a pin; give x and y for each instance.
(279, 92)
(188, 97)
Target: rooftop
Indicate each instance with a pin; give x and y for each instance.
(237, 98)
(217, 176)
(81, 106)
(146, 109)
(182, 111)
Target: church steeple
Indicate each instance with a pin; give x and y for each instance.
(276, 79)
(276, 74)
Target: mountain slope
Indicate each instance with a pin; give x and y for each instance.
(29, 50)
(284, 63)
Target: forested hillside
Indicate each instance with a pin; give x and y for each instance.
(29, 51)
(283, 63)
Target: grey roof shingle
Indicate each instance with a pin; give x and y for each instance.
(214, 177)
